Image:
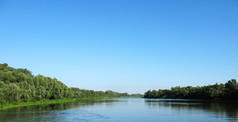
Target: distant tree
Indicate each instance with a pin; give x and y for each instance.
(217, 91)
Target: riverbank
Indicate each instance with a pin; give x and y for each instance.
(56, 101)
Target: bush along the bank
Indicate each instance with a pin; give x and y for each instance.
(227, 91)
(20, 85)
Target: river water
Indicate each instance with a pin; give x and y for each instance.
(125, 110)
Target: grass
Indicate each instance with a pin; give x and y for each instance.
(56, 101)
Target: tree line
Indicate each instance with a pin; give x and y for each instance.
(227, 91)
(20, 85)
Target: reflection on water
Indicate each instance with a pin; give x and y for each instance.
(51, 112)
(125, 109)
(227, 109)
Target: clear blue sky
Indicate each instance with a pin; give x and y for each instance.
(123, 45)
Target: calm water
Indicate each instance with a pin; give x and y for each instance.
(125, 110)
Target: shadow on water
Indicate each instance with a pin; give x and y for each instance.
(39, 112)
(227, 109)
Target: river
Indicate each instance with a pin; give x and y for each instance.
(125, 110)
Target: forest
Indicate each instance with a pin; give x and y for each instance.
(20, 85)
(227, 91)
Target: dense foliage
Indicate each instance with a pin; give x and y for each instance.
(227, 91)
(20, 85)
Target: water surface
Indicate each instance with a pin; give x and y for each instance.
(126, 110)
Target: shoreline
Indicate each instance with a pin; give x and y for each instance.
(48, 102)
(56, 101)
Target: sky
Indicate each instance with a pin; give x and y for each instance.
(123, 45)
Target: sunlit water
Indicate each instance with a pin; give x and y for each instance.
(126, 110)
